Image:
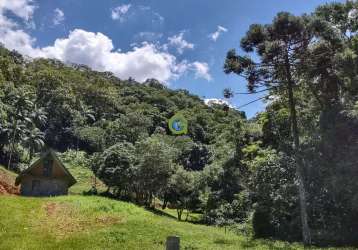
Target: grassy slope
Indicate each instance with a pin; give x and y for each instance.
(7, 178)
(8, 173)
(80, 222)
(90, 222)
(84, 177)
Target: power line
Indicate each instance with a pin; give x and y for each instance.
(255, 92)
(256, 100)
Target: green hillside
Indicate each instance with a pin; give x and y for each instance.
(80, 169)
(80, 222)
(92, 222)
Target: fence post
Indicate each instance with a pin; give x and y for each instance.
(173, 243)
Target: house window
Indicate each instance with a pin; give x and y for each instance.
(47, 167)
(35, 185)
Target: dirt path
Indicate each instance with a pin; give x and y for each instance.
(7, 185)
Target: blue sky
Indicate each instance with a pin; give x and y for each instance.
(174, 41)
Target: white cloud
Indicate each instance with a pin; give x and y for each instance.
(20, 41)
(21, 8)
(144, 8)
(96, 50)
(143, 61)
(201, 70)
(5, 22)
(148, 36)
(24, 9)
(120, 11)
(9, 36)
(214, 36)
(59, 17)
(180, 43)
(157, 18)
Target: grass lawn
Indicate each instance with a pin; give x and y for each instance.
(84, 177)
(192, 217)
(90, 222)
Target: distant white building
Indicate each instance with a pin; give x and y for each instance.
(212, 101)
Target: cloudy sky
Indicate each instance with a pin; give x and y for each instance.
(181, 43)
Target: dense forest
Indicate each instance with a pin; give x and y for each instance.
(287, 173)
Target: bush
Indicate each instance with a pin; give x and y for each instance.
(261, 223)
(75, 158)
(276, 210)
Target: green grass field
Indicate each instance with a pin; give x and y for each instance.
(93, 222)
(90, 222)
(84, 177)
(79, 222)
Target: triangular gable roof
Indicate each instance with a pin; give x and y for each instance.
(33, 165)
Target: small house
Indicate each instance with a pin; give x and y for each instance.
(45, 177)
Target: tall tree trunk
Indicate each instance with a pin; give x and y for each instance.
(9, 162)
(12, 144)
(187, 214)
(179, 212)
(31, 153)
(77, 146)
(165, 203)
(306, 232)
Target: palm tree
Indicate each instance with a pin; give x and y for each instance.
(39, 116)
(4, 135)
(34, 141)
(85, 115)
(15, 133)
(19, 115)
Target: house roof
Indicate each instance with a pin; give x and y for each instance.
(34, 164)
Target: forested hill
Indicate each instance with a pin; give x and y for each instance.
(121, 127)
(94, 110)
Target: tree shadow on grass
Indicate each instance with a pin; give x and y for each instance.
(224, 241)
(160, 213)
(251, 243)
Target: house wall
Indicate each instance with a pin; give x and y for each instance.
(44, 186)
